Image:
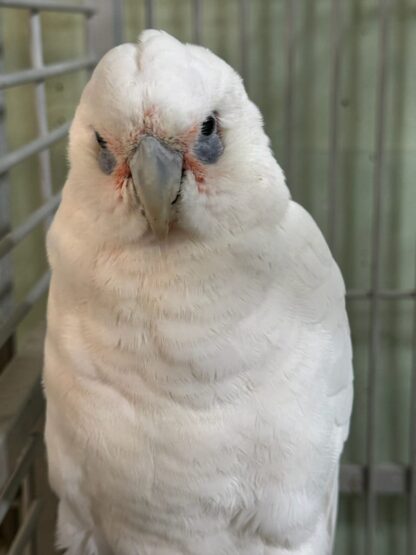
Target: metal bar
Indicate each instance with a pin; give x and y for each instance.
(13, 158)
(6, 266)
(333, 119)
(36, 54)
(89, 36)
(26, 530)
(150, 14)
(33, 75)
(49, 6)
(14, 237)
(289, 88)
(371, 497)
(389, 479)
(89, 30)
(412, 501)
(27, 498)
(118, 21)
(23, 464)
(197, 14)
(19, 313)
(244, 39)
(385, 294)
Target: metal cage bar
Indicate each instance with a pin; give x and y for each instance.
(371, 500)
(9, 491)
(118, 11)
(28, 493)
(289, 48)
(150, 14)
(6, 268)
(33, 75)
(47, 5)
(197, 21)
(412, 443)
(385, 294)
(244, 39)
(13, 158)
(389, 479)
(14, 237)
(41, 108)
(89, 35)
(334, 119)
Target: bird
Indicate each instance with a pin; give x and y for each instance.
(198, 362)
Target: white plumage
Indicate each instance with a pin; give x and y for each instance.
(198, 388)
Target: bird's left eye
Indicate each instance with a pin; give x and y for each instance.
(209, 146)
(100, 140)
(208, 126)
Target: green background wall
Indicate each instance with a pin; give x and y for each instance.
(64, 38)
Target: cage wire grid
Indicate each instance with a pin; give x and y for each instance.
(370, 480)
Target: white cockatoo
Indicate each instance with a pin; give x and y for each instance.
(198, 366)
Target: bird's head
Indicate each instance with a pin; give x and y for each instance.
(166, 137)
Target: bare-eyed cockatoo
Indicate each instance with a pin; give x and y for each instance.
(198, 361)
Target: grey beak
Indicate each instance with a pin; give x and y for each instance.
(156, 171)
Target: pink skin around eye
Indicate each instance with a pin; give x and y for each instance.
(122, 173)
(197, 168)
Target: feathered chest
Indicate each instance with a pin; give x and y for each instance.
(187, 320)
(203, 372)
(206, 312)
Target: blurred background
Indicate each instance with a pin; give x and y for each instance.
(336, 83)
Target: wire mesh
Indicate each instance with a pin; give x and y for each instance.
(375, 279)
(22, 478)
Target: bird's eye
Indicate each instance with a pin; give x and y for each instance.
(102, 142)
(106, 159)
(208, 126)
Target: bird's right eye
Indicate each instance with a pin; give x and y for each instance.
(208, 126)
(106, 159)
